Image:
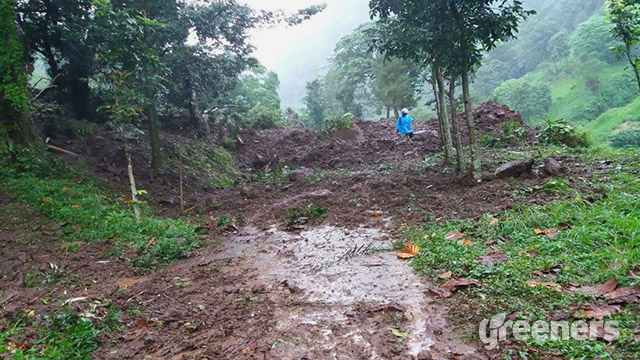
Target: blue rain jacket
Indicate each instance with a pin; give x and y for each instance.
(404, 125)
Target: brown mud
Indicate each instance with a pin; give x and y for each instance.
(332, 290)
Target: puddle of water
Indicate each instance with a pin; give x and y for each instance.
(318, 262)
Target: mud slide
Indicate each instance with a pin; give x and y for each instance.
(354, 299)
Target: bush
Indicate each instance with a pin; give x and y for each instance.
(338, 123)
(512, 134)
(559, 132)
(262, 118)
(626, 139)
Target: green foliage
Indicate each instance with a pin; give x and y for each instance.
(626, 139)
(316, 104)
(559, 132)
(14, 93)
(62, 334)
(278, 174)
(602, 232)
(337, 123)
(625, 17)
(512, 134)
(91, 216)
(212, 163)
(262, 118)
(394, 83)
(300, 216)
(592, 39)
(532, 100)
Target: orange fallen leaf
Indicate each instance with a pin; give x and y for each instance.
(66, 188)
(375, 213)
(549, 233)
(76, 206)
(409, 251)
(20, 345)
(454, 236)
(127, 200)
(465, 242)
(448, 288)
(445, 275)
(151, 242)
(597, 289)
(494, 221)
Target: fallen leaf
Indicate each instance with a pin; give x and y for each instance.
(494, 221)
(633, 274)
(66, 188)
(489, 242)
(549, 233)
(532, 253)
(151, 242)
(597, 313)
(409, 251)
(552, 271)
(76, 206)
(465, 242)
(399, 333)
(46, 199)
(375, 213)
(548, 285)
(623, 295)
(492, 259)
(78, 180)
(598, 289)
(17, 345)
(564, 226)
(454, 236)
(448, 288)
(391, 306)
(445, 275)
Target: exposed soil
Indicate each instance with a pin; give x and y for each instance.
(265, 293)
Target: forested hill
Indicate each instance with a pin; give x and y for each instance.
(561, 67)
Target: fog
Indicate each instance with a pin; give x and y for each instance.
(298, 54)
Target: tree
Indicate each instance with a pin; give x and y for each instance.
(316, 106)
(442, 31)
(14, 93)
(558, 48)
(393, 84)
(625, 17)
(532, 100)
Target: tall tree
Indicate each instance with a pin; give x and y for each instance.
(625, 16)
(393, 84)
(14, 93)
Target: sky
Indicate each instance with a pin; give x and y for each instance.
(298, 54)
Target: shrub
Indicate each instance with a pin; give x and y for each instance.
(626, 139)
(262, 118)
(338, 123)
(559, 132)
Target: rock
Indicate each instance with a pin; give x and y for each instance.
(300, 174)
(514, 168)
(247, 193)
(319, 194)
(149, 339)
(553, 167)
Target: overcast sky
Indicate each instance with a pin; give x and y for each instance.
(299, 53)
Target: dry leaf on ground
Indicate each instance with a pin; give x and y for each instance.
(597, 289)
(465, 242)
(598, 312)
(409, 251)
(549, 285)
(375, 213)
(623, 295)
(492, 259)
(549, 233)
(445, 275)
(448, 288)
(552, 271)
(454, 236)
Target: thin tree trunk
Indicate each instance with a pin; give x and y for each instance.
(132, 179)
(633, 65)
(197, 121)
(388, 112)
(395, 111)
(154, 136)
(466, 94)
(438, 110)
(446, 127)
(456, 124)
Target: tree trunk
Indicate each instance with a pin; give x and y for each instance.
(466, 94)
(388, 112)
(132, 179)
(154, 136)
(79, 92)
(633, 64)
(438, 110)
(456, 124)
(197, 121)
(446, 127)
(395, 111)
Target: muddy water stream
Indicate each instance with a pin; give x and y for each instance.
(337, 270)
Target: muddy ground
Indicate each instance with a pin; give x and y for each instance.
(263, 292)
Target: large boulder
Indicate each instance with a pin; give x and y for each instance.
(514, 168)
(300, 174)
(553, 167)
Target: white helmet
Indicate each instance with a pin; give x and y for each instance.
(405, 111)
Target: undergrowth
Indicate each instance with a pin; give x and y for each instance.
(87, 213)
(598, 239)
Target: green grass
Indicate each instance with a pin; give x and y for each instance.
(90, 214)
(608, 122)
(605, 230)
(62, 334)
(214, 164)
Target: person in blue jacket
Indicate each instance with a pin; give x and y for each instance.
(404, 125)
